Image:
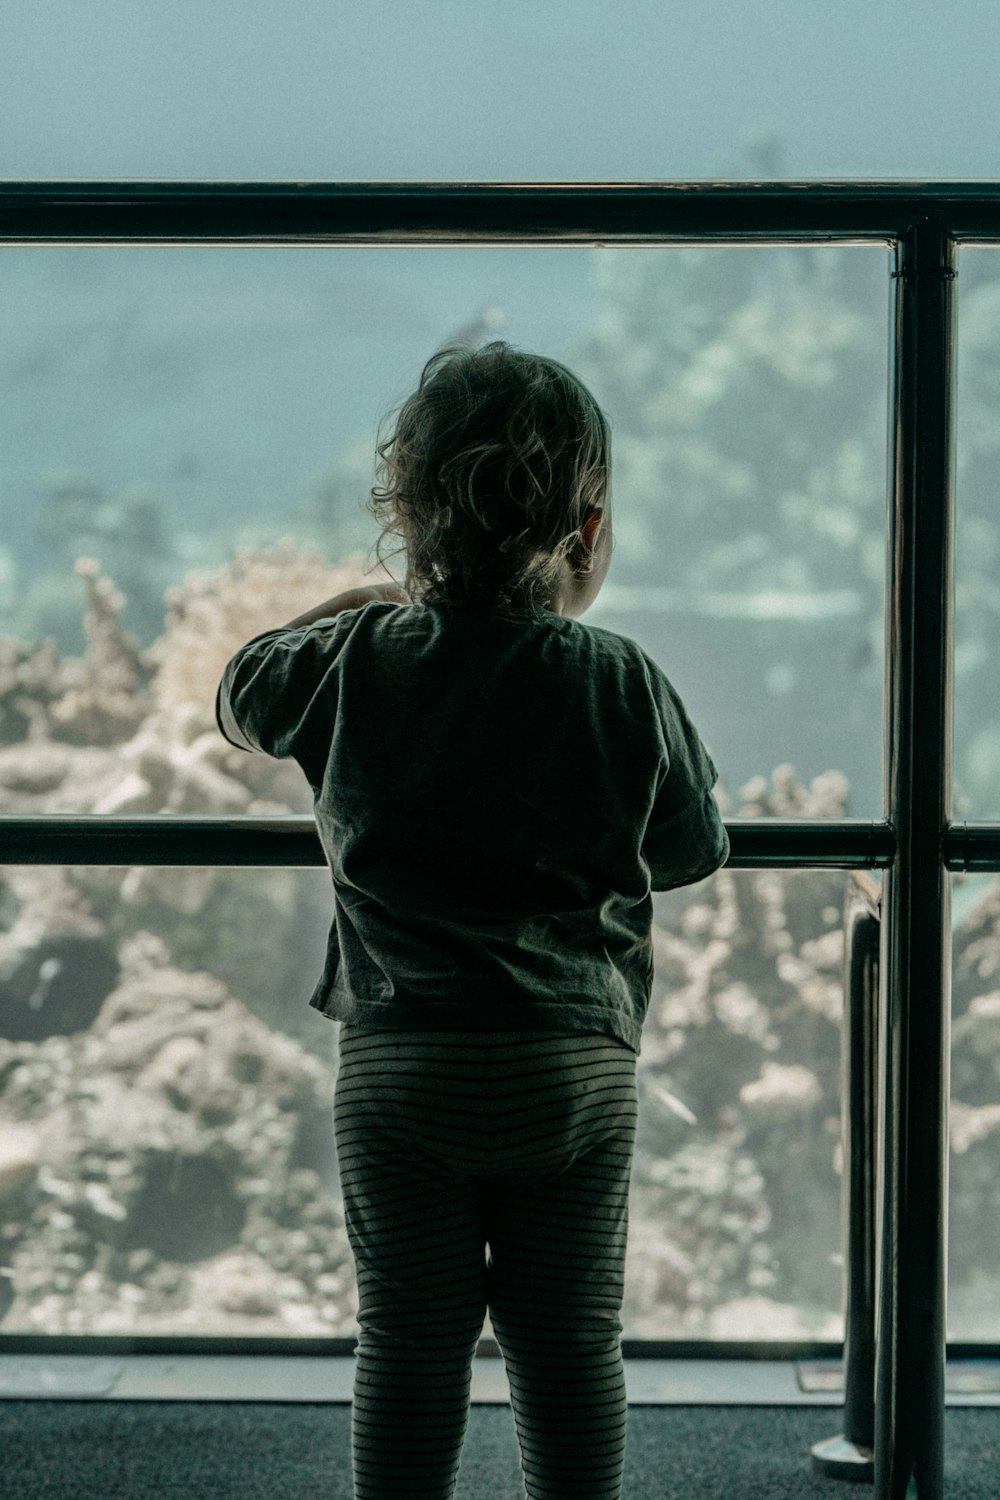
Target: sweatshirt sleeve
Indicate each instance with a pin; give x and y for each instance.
(277, 694)
(685, 838)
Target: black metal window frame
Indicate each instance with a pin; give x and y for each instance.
(915, 843)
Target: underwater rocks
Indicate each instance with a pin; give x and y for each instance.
(147, 1164)
(108, 734)
(56, 963)
(20, 1159)
(743, 1036)
(166, 1151)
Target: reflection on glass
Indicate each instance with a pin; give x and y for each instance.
(977, 548)
(974, 1166)
(166, 1143)
(192, 431)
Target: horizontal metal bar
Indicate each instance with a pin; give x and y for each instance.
(89, 839)
(160, 840)
(311, 1346)
(441, 213)
(788, 843)
(756, 843)
(973, 848)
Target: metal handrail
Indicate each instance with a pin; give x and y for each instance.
(165, 839)
(292, 840)
(499, 213)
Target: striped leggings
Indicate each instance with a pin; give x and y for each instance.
(450, 1142)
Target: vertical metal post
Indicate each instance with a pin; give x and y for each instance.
(909, 1415)
(860, 1094)
(850, 1455)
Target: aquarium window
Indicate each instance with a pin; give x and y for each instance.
(167, 1092)
(189, 436)
(736, 336)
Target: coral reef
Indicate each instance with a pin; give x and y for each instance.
(122, 732)
(210, 615)
(171, 1166)
(735, 1176)
(974, 1186)
(166, 1158)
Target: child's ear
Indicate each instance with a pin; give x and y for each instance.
(590, 527)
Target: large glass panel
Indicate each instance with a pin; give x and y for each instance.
(500, 90)
(191, 431)
(748, 393)
(166, 1147)
(736, 1188)
(166, 1153)
(166, 1141)
(974, 1175)
(977, 595)
(973, 1275)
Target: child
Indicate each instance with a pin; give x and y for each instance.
(497, 789)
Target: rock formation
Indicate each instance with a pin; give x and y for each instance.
(166, 1153)
(170, 1168)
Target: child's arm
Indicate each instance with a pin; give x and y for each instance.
(267, 697)
(688, 847)
(391, 592)
(685, 838)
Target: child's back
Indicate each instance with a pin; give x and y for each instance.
(498, 790)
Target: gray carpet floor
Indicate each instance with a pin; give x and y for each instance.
(118, 1450)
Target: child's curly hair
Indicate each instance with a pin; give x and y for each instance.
(492, 466)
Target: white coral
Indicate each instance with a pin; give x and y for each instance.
(783, 1091)
(210, 616)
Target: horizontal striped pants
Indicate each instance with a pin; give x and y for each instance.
(452, 1142)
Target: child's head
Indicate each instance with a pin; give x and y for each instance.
(495, 479)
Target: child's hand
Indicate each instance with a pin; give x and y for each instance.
(390, 593)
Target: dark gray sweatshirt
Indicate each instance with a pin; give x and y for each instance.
(497, 794)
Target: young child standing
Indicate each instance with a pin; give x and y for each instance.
(498, 788)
